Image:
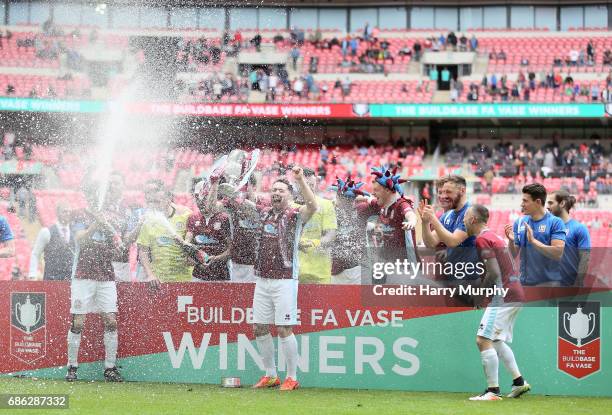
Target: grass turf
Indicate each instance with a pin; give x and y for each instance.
(155, 398)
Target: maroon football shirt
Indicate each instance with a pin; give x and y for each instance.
(94, 256)
(278, 243)
(213, 236)
(490, 245)
(392, 218)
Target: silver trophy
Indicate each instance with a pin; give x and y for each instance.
(238, 169)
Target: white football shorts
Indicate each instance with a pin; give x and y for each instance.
(275, 301)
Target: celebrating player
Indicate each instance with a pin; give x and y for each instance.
(540, 238)
(349, 247)
(244, 239)
(276, 268)
(498, 320)
(209, 231)
(93, 286)
(317, 238)
(577, 251)
(159, 241)
(397, 217)
(449, 229)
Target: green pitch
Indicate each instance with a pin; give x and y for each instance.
(176, 399)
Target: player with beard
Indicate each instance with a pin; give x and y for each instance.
(350, 244)
(577, 251)
(209, 231)
(497, 323)
(539, 236)
(276, 270)
(93, 287)
(397, 217)
(449, 229)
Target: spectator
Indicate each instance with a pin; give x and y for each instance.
(515, 93)
(442, 41)
(557, 79)
(272, 84)
(295, 55)
(256, 41)
(452, 40)
(345, 46)
(493, 82)
(493, 55)
(501, 56)
(573, 57)
(454, 94)
(354, 43)
(463, 43)
(346, 86)
(436, 45)
(298, 87)
(594, 92)
(217, 90)
(607, 57)
(56, 243)
(532, 82)
(405, 51)
(367, 32)
(581, 58)
(417, 50)
(473, 43)
(526, 94)
(590, 53)
(504, 93)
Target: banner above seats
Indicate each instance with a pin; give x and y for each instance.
(316, 110)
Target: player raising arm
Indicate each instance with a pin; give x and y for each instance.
(276, 270)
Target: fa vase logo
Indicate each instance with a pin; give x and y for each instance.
(579, 324)
(28, 335)
(579, 338)
(28, 314)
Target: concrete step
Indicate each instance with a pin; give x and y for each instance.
(440, 97)
(481, 65)
(257, 97)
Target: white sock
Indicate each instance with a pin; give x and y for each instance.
(265, 344)
(490, 363)
(110, 348)
(289, 346)
(74, 342)
(506, 355)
